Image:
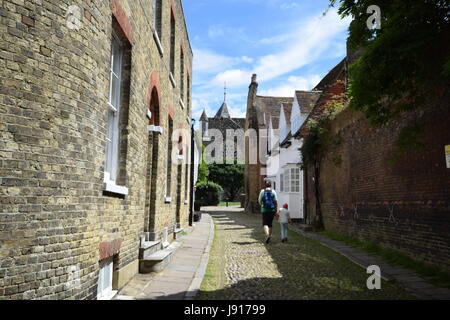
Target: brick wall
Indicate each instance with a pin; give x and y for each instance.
(56, 222)
(402, 205)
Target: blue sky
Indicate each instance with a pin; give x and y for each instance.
(289, 44)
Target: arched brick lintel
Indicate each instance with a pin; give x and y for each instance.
(123, 21)
(154, 83)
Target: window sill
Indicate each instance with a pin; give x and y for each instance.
(110, 186)
(153, 128)
(107, 295)
(158, 43)
(172, 80)
(167, 200)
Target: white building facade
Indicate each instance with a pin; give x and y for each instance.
(284, 155)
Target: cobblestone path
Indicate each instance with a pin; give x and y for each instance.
(243, 267)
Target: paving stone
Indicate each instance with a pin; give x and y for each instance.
(294, 271)
(181, 276)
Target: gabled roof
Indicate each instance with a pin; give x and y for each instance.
(270, 107)
(287, 108)
(226, 123)
(331, 77)
(307, 100)
(223, 112)
(275, 122)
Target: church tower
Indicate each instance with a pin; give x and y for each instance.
(223, 111)
(204, 122)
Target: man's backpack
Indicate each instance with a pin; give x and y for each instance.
(268, 199)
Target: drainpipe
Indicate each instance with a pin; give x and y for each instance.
(191, 196)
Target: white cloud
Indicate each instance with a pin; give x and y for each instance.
(206, 61)
(237, 112)
(276, 39)
(292, 84)
(247, 59)
(291, 5)
(215, 32)
(210, 62)
(305, 45)
(235, 77)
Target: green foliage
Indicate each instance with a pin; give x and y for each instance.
(397, 61)
(208, 194)
(203, 168)
(319, 134)
(229, 176)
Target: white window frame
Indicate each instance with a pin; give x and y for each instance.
(282, 182)
(287, 180)
(105, 280)
(167, 197)
(114, 107)
(295, 180)
(291, 180)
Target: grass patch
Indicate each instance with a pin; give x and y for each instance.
(431, 274)
(214, 277)
(224, 204)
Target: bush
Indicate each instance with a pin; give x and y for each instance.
(208, 194)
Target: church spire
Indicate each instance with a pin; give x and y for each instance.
(223, 111)
(204, 117)
(225, 93)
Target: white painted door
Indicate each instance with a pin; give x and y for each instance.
(105, 280)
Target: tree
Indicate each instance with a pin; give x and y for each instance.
(229, 176)
(403, 62)
(202, 169)
(208, 194)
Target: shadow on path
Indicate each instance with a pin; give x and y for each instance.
(299, 269)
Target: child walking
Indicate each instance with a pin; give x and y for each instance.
(284, 218)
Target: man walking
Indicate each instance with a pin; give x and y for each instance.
(269, 204)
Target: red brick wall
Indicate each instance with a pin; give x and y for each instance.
(404, 205)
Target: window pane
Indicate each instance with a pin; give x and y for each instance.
(115, 92)
(109, 143)
(288, 181)
(117, 57)
(112, 143)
